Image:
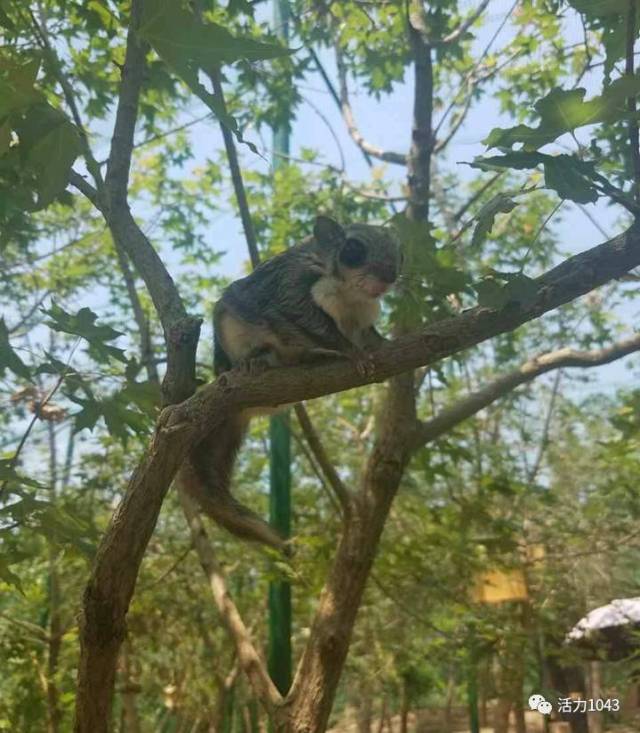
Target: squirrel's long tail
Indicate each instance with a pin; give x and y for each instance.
(206, 476)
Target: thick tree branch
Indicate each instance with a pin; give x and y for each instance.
(347, 113)
(419, 161)
(181, 331)
(112, 582)
(527, 372)
(321, 664)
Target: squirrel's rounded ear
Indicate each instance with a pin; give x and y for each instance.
(327, 230)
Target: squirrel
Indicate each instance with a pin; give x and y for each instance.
(318, 299)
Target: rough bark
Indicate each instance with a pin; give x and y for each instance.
(318, 673)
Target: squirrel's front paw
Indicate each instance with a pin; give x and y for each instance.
(364, 363)
(253, 366)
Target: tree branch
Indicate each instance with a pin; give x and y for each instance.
(463, 27)
(78, 181)
(236, 175)
(181, 331)
(326, 466)
(634, 136)
(419, 161)
(69, 95)
(347, 113)
(527, 372)
(249, 659)
(114, 573)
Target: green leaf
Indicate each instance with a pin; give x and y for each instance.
(120, 420)
(187, 45)
(8, 357)
(5, 137)
(5, 20)
(8, 576)
(83, 323)
(569, 176)
(51, 158)
(564, 110)
(73, 380)
(146, 396)
(179, 37)
(491, 294)
(13, 479)
(518, 288)
(17, 79)
(487, 214)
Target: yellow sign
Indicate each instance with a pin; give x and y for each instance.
(497, 586)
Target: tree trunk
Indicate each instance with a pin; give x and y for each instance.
(566, 680)
(501, 714)
(596, 719)
(447, 723)
(364, 712)
(128, 691)
(383, 715)
(317, 677)
(54, 714)
(404, 709)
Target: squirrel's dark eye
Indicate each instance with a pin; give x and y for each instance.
(353, 254)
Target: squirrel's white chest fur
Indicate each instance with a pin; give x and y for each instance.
(352, 310)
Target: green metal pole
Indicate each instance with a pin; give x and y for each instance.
(279, 661)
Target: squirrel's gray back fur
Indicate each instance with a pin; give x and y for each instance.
(317, 299)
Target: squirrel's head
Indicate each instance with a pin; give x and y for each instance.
(365, 256)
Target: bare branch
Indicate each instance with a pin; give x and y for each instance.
(248, 657)
(470, 75)
(78, 181)
(334, 95)
(112, 582)
(38, 413)
(144, 331)
(236, 176)
(328, 469)
(463, 27)
(347, 113)
(422, 140)
(527, 372)
(181, 331)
